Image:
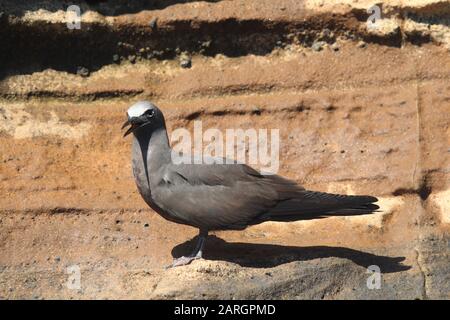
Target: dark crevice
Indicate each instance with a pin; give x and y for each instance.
(423, 191)
(104, 7)
(29, 47)
(404, 191)
(193, 116)
(297, 109)
(61, 210)
(231, 112)
(75, 96)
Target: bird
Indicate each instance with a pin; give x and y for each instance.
(213, 196)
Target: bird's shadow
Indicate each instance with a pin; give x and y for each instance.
(269, 255)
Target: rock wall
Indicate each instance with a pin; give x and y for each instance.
(360, 111)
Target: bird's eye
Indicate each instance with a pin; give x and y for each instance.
(150, 113)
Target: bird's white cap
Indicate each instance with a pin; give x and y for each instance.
(139, 108)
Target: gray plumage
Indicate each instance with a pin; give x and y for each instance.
(220, 196)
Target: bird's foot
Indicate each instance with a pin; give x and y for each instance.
(182, 261)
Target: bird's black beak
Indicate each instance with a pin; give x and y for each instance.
(134, 123)
(130, 129)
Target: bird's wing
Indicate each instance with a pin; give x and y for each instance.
(220, 196)
(313, 205)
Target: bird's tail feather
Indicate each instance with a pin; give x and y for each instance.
(316, 205)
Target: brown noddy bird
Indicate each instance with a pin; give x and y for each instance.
(219, 196)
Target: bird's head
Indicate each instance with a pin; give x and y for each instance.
(143, 114)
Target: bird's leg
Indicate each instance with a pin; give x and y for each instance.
(196, 254)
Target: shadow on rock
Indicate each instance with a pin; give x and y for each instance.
(270, 255)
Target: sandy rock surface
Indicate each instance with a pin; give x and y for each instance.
(359, 111)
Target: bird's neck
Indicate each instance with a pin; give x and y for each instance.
(151, 152)
(159, 150)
